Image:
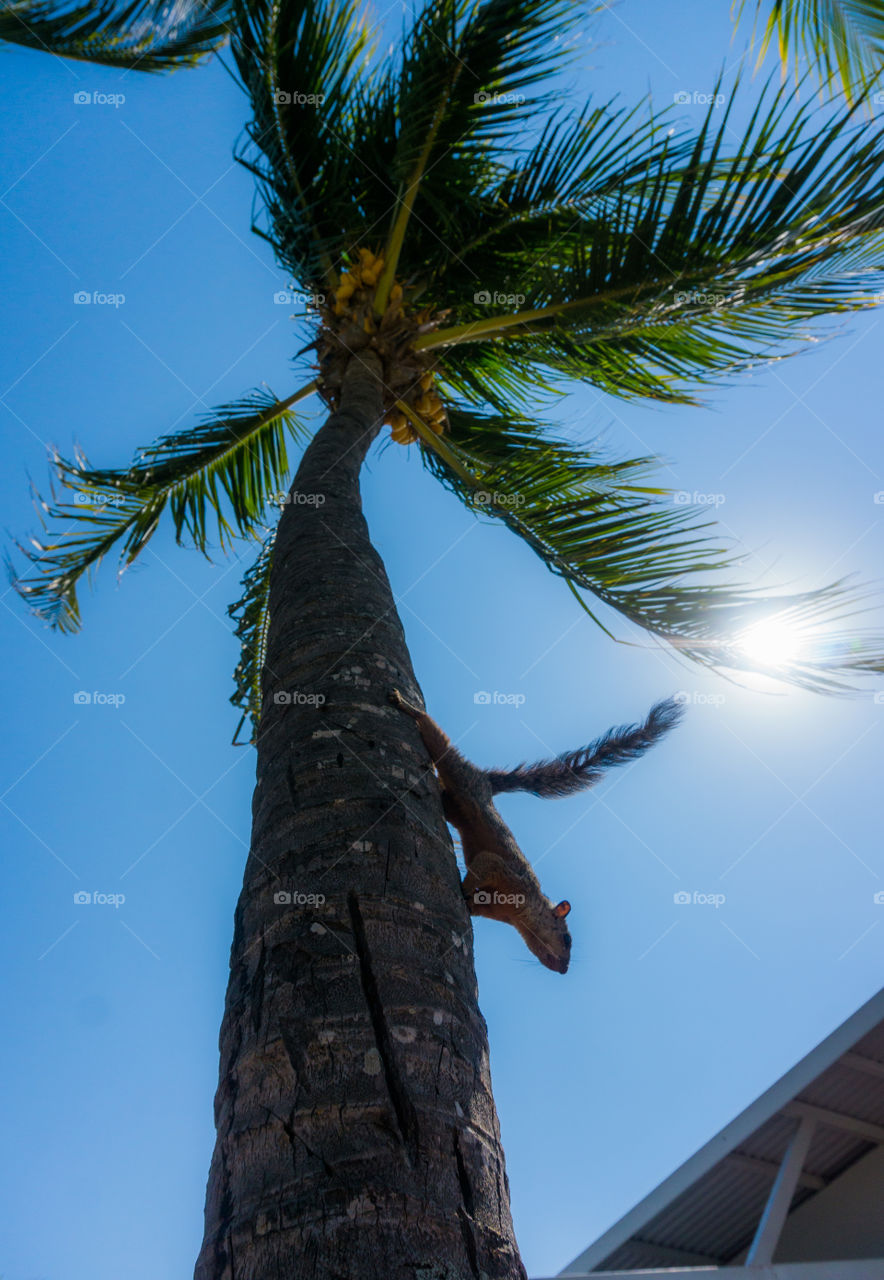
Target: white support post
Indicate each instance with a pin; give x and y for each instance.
(767, 1235)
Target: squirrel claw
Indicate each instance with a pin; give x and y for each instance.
(394, 697)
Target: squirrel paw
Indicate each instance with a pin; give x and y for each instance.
(395, 698)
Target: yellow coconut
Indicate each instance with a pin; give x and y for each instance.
(371, 272)
(404, 434)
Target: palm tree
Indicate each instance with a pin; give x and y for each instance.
(453, 278)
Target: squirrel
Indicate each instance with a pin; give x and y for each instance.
(499, 881)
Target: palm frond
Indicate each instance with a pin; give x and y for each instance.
(225, 470)
(539, 200)
(302, 63)
(252, 616)
(467, 67)
(607, 531)
(489, 375)
(700, 269)
(143, 35)
(842, 39)
(355, 140)
(465, 83)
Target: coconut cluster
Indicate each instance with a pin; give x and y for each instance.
(426, 403)
(410, 380)
(357, 288)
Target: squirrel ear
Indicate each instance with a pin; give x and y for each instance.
(562, 909)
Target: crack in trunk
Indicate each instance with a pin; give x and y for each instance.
(466, 1212)
(406, 1116)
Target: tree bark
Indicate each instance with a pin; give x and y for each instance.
(356, 1131)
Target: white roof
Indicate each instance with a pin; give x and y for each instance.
(706, 1212)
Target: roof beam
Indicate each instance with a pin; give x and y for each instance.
(770, 1168)
(836, 1120)
(767, 1236)
(859, 1062)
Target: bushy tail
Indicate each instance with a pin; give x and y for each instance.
(579, 769)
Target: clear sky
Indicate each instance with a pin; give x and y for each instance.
(672, 1017)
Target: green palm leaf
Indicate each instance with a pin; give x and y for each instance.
(252, 616)
(302, 64)
(143, 35)
(843, 39)
(700, 269)
(223, 472)
(488, 374)
(606, 531)
(426, 120)
(463, 86)
(537, 205)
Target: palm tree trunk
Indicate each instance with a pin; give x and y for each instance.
(357, 1134)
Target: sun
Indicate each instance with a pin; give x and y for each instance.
(771, 643)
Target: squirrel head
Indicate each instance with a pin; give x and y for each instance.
(548, 936)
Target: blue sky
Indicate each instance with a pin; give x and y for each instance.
(672, 1017)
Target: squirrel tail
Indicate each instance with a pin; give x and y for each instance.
(575, 770)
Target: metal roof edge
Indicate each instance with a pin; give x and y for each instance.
(836, 1269)
(767, 1104)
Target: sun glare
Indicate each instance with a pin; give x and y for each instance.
(771, 643)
